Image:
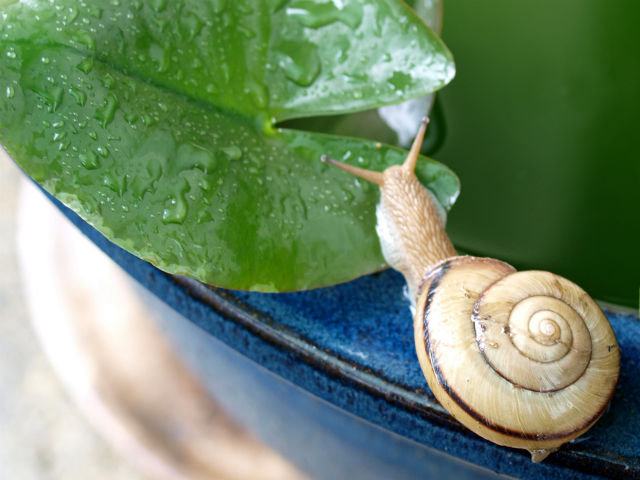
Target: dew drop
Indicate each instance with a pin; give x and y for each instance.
(363, 162)
(258, 93)
(176, 206)
(52, 96)
(348, 196)
(244, 8)
(219, 6)
(103, 151)
(246, 32)
(89, 160)
(190, 25)
(160, 56)
(351, 15)
(190, 156)
(233, 152)
(115, 183)
(313, 14)
(86, 65)
(131, 118)
(203, 217)
(106, 113)
(70, 16)
(299, 61)
(159, 5)
(108, 81)
(10, 92)
(95, 12)
(147, 119)
(84, 38)
(57, 136)
(79, 95)
(364, 186)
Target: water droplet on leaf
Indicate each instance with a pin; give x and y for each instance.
(106, 113)
(190, 156)
(160, 56)
(315, 14)
(159, 5)
(176, 206)
(52, 96)
(70, 16)
(108, 81)
(299, 61)
(218, 6)
(190, 25)
(58, 136)
(131, 118)
(84, 38)
(258, 93)
(86, 65)
(89, 160)
(102, 151)
(233, 152)
(95, 12)
(79, 95)
(116, 183)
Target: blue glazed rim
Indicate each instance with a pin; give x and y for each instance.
(385, 395)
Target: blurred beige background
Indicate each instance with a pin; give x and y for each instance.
(42, 436)
(107, 373)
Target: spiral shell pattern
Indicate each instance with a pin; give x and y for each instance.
(525, 359)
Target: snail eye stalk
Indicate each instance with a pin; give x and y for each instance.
(410, 163)
(369, 175)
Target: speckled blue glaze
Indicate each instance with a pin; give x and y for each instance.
(330, 378)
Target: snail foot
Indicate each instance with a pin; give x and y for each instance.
(540, 455)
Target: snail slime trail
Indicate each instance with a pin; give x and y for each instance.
(524, 359)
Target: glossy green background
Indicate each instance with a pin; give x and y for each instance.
(542, 128)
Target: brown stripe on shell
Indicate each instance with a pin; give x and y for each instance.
(437, 274)
(474, 318)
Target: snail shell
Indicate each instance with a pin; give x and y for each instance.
(524, 359)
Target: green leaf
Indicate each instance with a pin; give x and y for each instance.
(152, 121)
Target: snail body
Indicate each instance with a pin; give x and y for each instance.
(524, 359)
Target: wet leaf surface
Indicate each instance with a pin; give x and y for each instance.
(155, 122)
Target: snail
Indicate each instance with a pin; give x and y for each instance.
(524, 359)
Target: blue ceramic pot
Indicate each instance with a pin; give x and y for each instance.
(330, 378)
